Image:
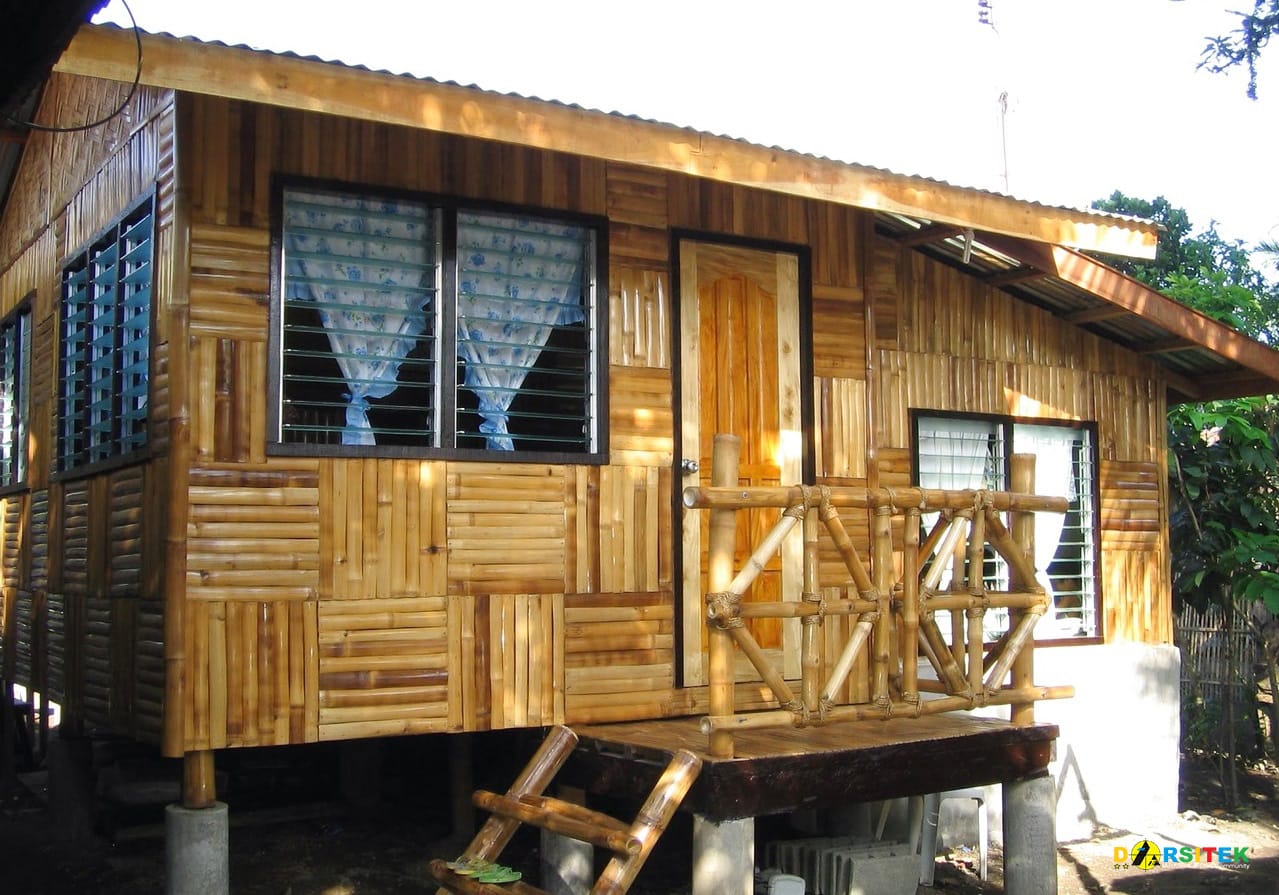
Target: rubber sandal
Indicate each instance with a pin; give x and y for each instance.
(470, 866)
(498, 874)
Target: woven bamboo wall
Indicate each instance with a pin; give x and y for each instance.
(89, 628)
(503, 543)
(948, 342)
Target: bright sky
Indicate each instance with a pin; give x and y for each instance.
(1101, 94)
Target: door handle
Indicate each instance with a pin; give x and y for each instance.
(688, 466)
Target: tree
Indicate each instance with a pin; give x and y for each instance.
(1243, 46)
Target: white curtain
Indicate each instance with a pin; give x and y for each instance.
(1053, 447)
(518, 279)
(364, 264)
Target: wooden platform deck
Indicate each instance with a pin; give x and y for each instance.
(775, 771)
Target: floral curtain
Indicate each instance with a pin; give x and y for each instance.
(518, 279)
(364, 264)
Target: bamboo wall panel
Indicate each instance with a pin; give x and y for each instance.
(638, 222)
(97, 675)
(839, 332)
(835, 233)
(840, 439)
(56, 646)
(13, 539)
(619, 656)
(383, 529)
(620, 531)
(254, 538)
(386, 666)
(506, 528)
(128, 499)
(148, 669)
(24, 624)
(639, 317)
(640, 419)
(250, 668)
(519, 660)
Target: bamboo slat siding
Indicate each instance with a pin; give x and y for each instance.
(619, 655)
(385, 666)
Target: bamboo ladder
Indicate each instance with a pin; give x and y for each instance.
(630, 843)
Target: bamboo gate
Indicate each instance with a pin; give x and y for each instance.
(892, 617)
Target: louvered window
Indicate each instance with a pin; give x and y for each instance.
(408, 326)
(962, 453)
(105, 338)
(15, 396)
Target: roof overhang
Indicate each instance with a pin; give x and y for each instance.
(300, 83)
(1200, 358)
(1025, 248)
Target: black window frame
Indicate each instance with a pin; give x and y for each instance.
(123, 425)
(447, 208)
(1008, 423)
(15, 360)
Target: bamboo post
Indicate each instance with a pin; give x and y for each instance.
(811, 646)
(199, 788)
(977, 589)
(725, 455)
(910, 608)
(1023, 533)
(882, 569)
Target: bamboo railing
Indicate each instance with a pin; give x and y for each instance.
(892, 617)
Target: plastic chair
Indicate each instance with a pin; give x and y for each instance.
(928, 835)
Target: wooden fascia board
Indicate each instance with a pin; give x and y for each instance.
(1121, 291)
(297, 83)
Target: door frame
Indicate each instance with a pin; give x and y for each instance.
(803, 256)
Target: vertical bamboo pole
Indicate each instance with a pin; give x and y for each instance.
(1023, 532)
(976, 588)
(910, 607)
(956, 618)
(813, 641)
(175, 559)
(199, 789)
(726, 453)
(882, 549)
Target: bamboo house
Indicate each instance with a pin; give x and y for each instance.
(340, 404)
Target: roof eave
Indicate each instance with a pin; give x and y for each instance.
(294, 82)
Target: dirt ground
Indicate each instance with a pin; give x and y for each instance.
(294, 844)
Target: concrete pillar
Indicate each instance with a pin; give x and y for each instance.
(723, 856)
(568, 864)
(196, 860)
(1030, 836)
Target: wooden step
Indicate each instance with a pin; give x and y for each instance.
(565, 818)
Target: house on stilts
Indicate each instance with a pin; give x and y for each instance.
(342, 404)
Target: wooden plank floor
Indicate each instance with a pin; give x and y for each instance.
(781, 770)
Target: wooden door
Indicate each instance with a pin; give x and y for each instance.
(740, 374)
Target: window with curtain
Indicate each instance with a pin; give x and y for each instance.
(960, 453)
(105, 344)
(15, 396)
(406, 325)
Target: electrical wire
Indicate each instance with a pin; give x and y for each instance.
(133, 89)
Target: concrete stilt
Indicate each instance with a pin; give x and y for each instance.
(195, 851)
(1030, 836)
(723, 856)
(568, 865)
